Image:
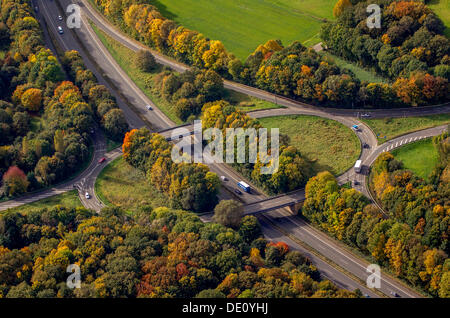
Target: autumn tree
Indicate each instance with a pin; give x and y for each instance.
(228, 213)
(340, 6)
(32, 99)
(145, 61)
(15, 181)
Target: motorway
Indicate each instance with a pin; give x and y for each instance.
(287, 227)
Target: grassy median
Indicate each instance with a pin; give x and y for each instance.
(329, 144)
(420, 157)
(127, 187)
(394, 127)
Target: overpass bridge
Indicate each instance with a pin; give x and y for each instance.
(292, 200)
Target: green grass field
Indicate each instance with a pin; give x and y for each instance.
(442, 9)
(394, 127)
(125, 58)
(245, 24)
(122, 185)
(68, 199)
(331, 145)
(420, 157)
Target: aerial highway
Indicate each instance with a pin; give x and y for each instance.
(287, 226)
(231, 174)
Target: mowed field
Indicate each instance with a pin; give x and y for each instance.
(243, 25)
(420, 157)
(329, 144)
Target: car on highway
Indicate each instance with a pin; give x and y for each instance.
(60, 30)
(355, 182)
(237, 192)
(355, 127)
(101, 160)
(60, 18)
(365, 145)
(87, 196)
(366, 115)
(149, 107)
(223, 178)
(394, 294)
(244, 186)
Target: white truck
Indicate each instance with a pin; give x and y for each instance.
(358, 166)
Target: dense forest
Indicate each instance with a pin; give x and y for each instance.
(155, 253)
(414, 241)
(188, 186)
(45, 121)
(189, 91)
(409, 48)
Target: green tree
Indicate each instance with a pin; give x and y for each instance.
(145, 61)
(228, 213)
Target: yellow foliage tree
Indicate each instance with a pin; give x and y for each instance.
(32, 99)
(340, 6)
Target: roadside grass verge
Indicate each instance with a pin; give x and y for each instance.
(68, 199)
(394, 127)
(328, 144)
(248, 103)
(144, 80)
(122, 185)
(111, 144)
(420, 157)
(361, 73)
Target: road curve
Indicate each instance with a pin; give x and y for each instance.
(78, 182)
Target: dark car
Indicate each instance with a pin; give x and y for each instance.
(366, 145)
(238, 192)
